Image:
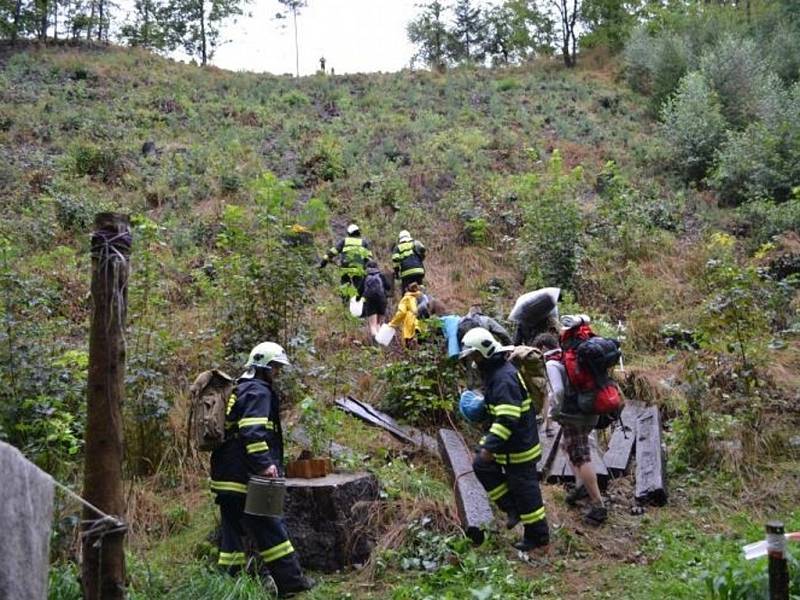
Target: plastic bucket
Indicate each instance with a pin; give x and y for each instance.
(385, 335)
(265, 496)
(356, 306)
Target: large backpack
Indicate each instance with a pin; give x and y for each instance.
(587, 358)
(373, 286)
(209, 395)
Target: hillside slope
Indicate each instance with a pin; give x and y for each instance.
(513, 178)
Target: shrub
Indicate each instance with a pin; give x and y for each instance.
(100, 163)
(422, 386)
(550, 239)
(693, 126)
(765, 219)
(655, 64)
(763, 161)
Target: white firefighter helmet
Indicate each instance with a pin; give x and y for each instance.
(264, 355)
(481, 340)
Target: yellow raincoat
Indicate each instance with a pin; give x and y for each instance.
(405, 319)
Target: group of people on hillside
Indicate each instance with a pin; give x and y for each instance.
(506, 456)
(363, 280)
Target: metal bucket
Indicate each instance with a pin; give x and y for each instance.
(265, 496)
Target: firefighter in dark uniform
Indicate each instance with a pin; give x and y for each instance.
(254, 446)
(353, 252)
(408, 257)
(505, 463)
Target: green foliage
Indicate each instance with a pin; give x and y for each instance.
(740, 77)
(693, 126)
(736, 582)
(763, 161)
(550, 239)
(451, 569)
(766, 219)
(261, 279)
(322, 425)
(423, 385)
(325, 161)
(739, 309)
(609, 22)
(655, 65)
(100, 163)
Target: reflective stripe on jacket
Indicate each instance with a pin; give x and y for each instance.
(512, 437)
(253, 437)
(408, 258)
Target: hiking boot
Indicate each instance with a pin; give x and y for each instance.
(576, 494)
(512, 519)
(596, 515)
(302, 584)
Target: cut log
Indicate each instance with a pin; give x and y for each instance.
(473, 503)
(326, 518)
(651, 464)
(373, 416)
(623, 440)
(549, 442)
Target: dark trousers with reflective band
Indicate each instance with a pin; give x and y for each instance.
(515, 489)
(409, 279)
(267, 533)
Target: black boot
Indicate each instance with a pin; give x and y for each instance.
(512, 519)
(288, 576)
(535, 536)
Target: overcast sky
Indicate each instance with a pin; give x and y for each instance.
(352, 35)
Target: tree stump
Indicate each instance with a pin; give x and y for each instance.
(326, 519)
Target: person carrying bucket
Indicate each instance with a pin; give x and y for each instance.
(353, 252)
(253, 446)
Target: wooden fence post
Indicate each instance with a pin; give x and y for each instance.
(778, 566)
(103, 568)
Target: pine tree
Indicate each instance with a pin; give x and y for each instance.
(468, 34)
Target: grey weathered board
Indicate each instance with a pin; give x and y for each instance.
(559, 470)
(373, 416)
(623, 440)
(473, 503)
(651, 472)
(549, 443)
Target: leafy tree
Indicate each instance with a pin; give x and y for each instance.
(293, 7)
(498, 39)
(153, 26)
(609, 22)
(468, 32)
(568, 12)
(197, 24)
(532, 29)
(429, 33)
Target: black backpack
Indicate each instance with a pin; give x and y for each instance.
(597, 355)
(373, 286)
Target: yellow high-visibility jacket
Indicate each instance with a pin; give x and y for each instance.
(405, 319)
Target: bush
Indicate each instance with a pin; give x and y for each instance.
(655, 64)
(550, 239)
(762, 161)
(693, 126)
(765, 219)
(423, 386)
(740, 77)
(100, 163)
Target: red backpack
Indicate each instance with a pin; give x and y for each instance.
(587, 358)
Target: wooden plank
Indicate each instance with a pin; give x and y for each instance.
(549, 442)
(560, 471)
(471, 499)
(373, 416)
(623, 441)
(651, 471)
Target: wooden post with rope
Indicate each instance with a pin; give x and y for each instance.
(103, 567)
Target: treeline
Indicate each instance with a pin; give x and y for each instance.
(513, 31)
(160, 25)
